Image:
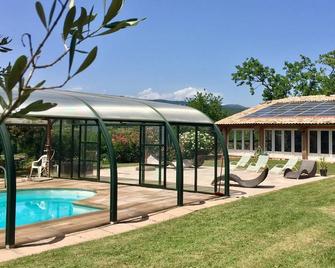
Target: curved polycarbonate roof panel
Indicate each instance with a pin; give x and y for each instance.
(74, 105)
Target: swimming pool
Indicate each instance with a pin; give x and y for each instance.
(38, 205)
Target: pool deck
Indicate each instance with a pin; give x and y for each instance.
(137, 207)
(133, 201)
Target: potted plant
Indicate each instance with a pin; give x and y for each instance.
(323, 167)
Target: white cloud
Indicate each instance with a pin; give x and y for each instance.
(184, 93)
(149, 94)
(180, 94)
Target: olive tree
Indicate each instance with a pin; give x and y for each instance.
(76, 24)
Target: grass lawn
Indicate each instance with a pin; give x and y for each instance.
(289, 228)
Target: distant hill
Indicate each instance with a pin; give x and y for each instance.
(230, 108)
(234, 108)
(171, 101)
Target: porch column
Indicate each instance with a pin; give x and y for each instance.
(261, 137)
(225, 132)
(304, 142)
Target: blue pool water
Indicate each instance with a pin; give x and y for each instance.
(39, 205)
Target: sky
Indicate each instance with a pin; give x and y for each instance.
(183, 46)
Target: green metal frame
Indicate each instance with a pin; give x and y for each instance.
(112, 161)
(196, 147)
(222, 142)
(179, 157)
(11, 186)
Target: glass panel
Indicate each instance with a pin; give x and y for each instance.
(238, 139)
(313, 142)
(28, 145)
(297, 141)
(325, 142)
(154, 152)
(287, 141)
(246, 139)
(278, 135)
(205, 170)
(65, 149)
(333, 141)
(268, 140)
(231, 140)
(255, 135)
(88, 150)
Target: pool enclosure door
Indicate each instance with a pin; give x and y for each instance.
(152, 157)
(77, 149)
(88, 151)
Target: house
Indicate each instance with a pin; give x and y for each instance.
(300, 126)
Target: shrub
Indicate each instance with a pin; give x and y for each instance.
(187, 142)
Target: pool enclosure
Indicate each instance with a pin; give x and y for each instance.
(84, 136)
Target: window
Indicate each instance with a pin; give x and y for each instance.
(278, 135)
(238, 139)
(325, 142)
(231, 140)
(333, 142)
(313, 142)
(268, 140)
(297, 141)
(255, 137)
(287, 141)
(246, 134)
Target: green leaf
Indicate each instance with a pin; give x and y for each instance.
(88, 60)
(82, 18)
(39, 84)
(118, 25)
(15, 73)
(52, 10)
(81, 51)
(113, 10)
(90, 18)
(72, 51)
(41, 14)
(36, 106)
(3, 103)
(68, 22)
(25, 95)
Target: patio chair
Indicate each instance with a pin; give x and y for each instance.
(151, 160)
(306, 170)
(187, 163)
(39, 165)
(246, 183)
(242, 163)
(280, 168)
(260, 164)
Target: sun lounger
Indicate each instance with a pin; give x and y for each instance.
(306, 170)
(250, 183)
(242, 163)
(260, 164)
(246, 183)
(279, 168)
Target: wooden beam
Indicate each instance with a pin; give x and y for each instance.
(304, 142)
(261, 138)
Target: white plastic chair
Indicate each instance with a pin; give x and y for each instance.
(39, 165)
(279, 168)
(242, 163)
(261, 164)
